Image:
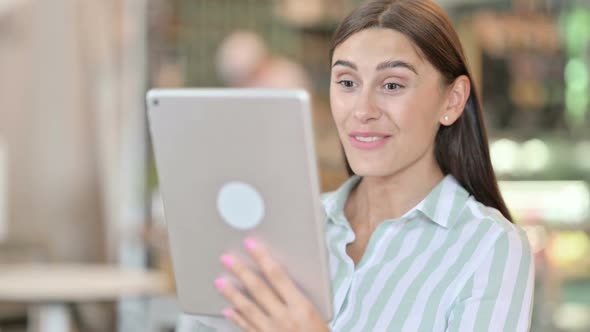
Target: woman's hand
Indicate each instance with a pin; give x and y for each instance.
(274, 306)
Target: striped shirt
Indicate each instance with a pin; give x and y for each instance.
(449, 264)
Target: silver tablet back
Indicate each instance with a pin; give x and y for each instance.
(233, 163)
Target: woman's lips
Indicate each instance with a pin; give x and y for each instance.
(368, 140)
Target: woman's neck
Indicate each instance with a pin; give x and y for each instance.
(376, 199)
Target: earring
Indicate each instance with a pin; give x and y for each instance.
(446, 118)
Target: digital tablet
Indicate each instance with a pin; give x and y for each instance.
(233, 163)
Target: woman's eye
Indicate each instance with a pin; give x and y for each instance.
(392, 86)
(346, 83)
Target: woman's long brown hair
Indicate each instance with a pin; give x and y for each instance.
(462, 148)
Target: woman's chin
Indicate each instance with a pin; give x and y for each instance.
(371, 170)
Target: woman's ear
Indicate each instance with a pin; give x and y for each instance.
(457, 96)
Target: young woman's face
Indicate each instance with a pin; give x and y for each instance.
(387, 102)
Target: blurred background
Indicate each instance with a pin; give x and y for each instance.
(82, 236)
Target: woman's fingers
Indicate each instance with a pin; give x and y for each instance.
(255, 285)
(237, 318)
(274, 273)
(276, 305)
(246, 312)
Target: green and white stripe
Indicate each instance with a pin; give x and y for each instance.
(449, 264)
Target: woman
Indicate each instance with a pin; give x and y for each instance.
(419, 237)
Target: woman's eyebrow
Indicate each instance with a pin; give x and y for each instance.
(381, 66)
(345, 64)
(396, 64)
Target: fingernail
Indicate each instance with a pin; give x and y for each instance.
(227, 312)
(227, 261)
(219, 284)
(250, 244)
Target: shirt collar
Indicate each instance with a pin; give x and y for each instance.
(335, 201)
(442, 205)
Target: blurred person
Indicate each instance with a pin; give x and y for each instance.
(243, 60)
(419, 236)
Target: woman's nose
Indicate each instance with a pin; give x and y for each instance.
(366, 108)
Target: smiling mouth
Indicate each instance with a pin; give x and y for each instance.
(369, 139)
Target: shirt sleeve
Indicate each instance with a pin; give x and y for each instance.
(499, 296)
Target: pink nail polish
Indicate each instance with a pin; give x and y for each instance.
(250, 244)
(227, 261)
(227, 313)
(219, 284)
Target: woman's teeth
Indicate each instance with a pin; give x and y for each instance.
(368, 139)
